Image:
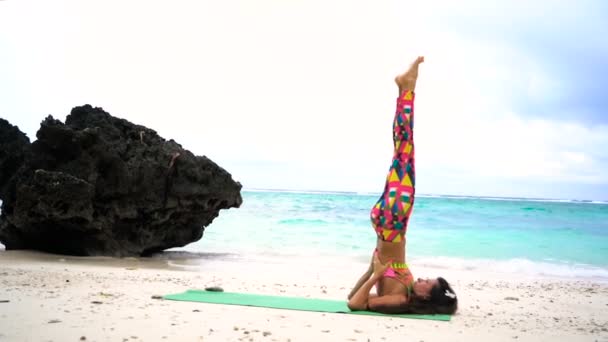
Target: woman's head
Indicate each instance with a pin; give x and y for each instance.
(432, 296)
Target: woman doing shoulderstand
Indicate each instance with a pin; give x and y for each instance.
(397, 291)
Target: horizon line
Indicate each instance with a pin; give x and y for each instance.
(424, 194)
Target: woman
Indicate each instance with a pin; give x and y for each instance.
(397, 292)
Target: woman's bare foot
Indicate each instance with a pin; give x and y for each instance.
(407, 80)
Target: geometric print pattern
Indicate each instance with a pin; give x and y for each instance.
(391, 213)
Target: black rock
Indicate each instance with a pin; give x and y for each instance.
(13, 147)
(100, 185)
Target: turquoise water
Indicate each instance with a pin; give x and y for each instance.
(535, 237)
(563, 238)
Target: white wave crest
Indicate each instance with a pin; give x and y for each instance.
(518, 266)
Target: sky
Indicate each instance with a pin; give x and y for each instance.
(299, 94)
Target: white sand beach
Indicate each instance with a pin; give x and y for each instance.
(45, 297)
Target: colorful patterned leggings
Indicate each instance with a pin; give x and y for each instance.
(391, 212)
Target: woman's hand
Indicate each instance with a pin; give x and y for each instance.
(379, 267)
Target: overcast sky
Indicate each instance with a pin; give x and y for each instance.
(299, 94)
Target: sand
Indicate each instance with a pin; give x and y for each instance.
(45, 297)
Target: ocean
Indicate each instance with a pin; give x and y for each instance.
(533, 237)
(560, 238)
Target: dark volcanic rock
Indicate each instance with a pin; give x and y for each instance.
(100, 185)
(13, 147)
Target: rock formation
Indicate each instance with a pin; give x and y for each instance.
(100, 185)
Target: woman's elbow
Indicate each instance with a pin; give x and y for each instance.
(354, 306)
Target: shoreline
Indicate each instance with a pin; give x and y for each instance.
(194, 260)
(61, 298)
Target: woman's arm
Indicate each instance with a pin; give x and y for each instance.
(390, 304)
(363, 278)
(359, 301)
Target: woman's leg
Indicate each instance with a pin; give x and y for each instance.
(391, 213)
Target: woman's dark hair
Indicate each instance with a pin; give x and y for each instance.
(441, 301)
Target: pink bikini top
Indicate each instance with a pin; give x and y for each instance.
(401, 272)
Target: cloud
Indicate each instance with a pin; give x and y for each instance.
(561, 55)
(299, 94)
(517, 148)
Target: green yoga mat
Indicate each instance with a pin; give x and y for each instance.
(288, 303)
